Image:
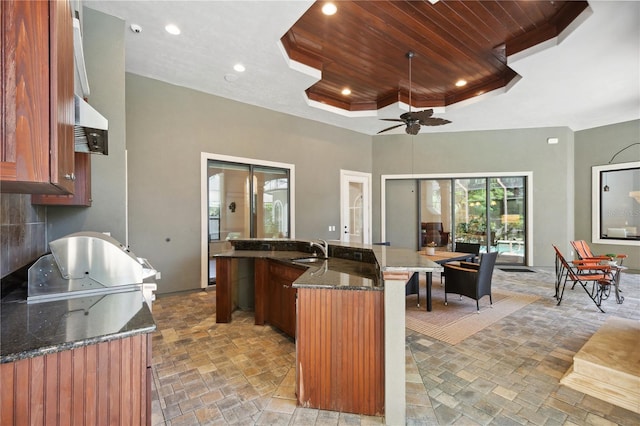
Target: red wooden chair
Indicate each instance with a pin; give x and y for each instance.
(595, 279)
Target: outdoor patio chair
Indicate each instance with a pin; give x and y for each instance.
(584, 253)
(595, 279)
(471, 279)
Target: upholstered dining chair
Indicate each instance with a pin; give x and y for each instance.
(471, 279)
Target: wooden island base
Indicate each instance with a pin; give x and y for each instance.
(340, 350)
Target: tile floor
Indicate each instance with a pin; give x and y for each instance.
(508, 374)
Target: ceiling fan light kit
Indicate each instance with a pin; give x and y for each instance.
(413, 121)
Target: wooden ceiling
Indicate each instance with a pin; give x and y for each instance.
(364, 47)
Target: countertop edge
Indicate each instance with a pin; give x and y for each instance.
(45, 350)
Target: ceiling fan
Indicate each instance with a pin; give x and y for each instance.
(414, 120)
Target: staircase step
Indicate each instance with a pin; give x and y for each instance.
(608, 365)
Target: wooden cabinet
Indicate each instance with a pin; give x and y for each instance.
(82, 194)
(37, 105)
(281, 297)
(275, 298)
(104, 383)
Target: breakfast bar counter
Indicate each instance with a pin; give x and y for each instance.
(334, 301)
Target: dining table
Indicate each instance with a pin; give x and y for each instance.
(441, 257)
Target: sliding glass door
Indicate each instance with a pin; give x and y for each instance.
(489, 211)
(247, 201)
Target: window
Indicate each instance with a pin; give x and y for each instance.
(616, 203)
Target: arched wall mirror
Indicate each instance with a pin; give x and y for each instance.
(616, 203)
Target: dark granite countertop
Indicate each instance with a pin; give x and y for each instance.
(349, 266)
(30, 330)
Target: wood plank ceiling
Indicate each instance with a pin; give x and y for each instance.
(364, 47)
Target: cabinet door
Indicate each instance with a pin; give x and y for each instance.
(36, 151)
(82, 194)
(289, 310)
(62, 108)
(282, 297)
(275, 300)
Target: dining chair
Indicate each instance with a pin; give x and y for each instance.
(471, 279)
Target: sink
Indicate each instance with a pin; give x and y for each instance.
(312, 259)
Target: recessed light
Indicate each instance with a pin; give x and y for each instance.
(329, 9)
(172, 29)
(239, 67)
(461, 83)
(552, 141)
(346, 91)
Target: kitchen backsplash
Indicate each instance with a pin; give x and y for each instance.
(22, 232)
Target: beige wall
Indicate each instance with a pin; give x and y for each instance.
(167, 129)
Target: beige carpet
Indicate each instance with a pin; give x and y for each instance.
(459, 319)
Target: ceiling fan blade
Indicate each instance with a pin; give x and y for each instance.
(422, 115)
(392, 119)
(390, 128)
(434, 121)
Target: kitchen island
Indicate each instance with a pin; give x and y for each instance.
(349, 310)
(84, 360)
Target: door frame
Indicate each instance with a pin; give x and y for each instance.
(528, 175)
(204, 208)
(347, 176)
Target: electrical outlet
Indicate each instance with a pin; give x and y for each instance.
(158, 276)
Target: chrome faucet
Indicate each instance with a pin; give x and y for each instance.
(324, 247)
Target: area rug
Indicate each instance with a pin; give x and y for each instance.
(459, 319)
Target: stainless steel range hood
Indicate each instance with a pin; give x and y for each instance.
(91, 128)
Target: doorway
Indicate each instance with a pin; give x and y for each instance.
(355, 207)
(491, 211)
(242, 198)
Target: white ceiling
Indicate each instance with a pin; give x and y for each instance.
(590, 78)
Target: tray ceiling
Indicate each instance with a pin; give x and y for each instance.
(363, 47)
(585, 77)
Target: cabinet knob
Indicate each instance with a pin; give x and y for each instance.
(71, 176)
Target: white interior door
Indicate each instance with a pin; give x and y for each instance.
(355, 207)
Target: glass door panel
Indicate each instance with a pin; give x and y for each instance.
(470, 216)
(507, 218)
(270, 217)
(356, 190)
(435, 213)
(229, 209)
